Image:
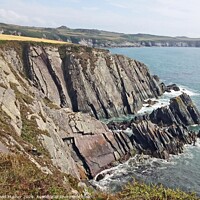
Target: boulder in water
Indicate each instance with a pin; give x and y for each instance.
(172, 87)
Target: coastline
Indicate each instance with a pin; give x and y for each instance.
(147, 169)
(67, 137)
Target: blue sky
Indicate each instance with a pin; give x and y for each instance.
(161, 17)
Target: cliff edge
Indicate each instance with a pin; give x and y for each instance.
(50, 96)
(86, 79)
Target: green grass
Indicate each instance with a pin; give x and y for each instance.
(142, 191)
(75, 35)
(32, 39)
(20, 177)
(30, 131)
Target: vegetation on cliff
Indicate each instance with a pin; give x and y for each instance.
(142, 191)
(44, 141)
(22, 179)
(23, 38)
(95, 38)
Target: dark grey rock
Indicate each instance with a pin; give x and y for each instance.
(172, 87)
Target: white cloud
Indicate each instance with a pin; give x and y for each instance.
(73, 1)
(90, 8)
(118, 5)
(10, 16)
(171, 17)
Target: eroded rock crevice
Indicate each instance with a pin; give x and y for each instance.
(55, 78)
(113, 87)
(68, 87)
(66, 64)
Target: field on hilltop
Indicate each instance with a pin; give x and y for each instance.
(96, 38)
(31, 39)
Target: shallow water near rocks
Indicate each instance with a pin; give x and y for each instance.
(180, 171)
(172, 65)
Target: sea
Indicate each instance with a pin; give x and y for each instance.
(173, 65)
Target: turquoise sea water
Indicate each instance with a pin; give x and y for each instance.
(172, 65)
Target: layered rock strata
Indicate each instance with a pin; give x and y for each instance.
(181, 111)
(85, 79)
(164, 131)
(43, 88)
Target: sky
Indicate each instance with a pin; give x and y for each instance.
(159, 17)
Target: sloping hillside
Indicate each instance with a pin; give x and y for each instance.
(98, 38)
(50, 139)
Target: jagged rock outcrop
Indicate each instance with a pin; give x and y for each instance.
(42, 85)
(45, 84)
(158, 141)
(85, 79)
(96, 151)
(172, 87)
(180, 111)
(164, 131)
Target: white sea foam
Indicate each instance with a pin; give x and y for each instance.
(198, 143)
(183, 89)
(196, 146)
(188, 153)
(142, 166)
(164, 100)
(189, 91)
(159, 103)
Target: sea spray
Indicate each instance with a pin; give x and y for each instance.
(154, 170)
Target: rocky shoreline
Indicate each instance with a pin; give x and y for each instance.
(57, 94)
(128, 44)
(164, 131)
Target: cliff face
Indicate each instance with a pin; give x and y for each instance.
(88, 80)
(42, 88)
(135, 43)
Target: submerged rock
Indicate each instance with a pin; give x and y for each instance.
(150, 102)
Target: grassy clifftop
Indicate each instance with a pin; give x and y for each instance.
(31, 39)
(93, 37)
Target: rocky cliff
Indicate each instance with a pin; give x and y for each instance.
(181, 111)
(85, 79)
(164, 131)
(43, 88)
(140, 42)
(50, 95)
